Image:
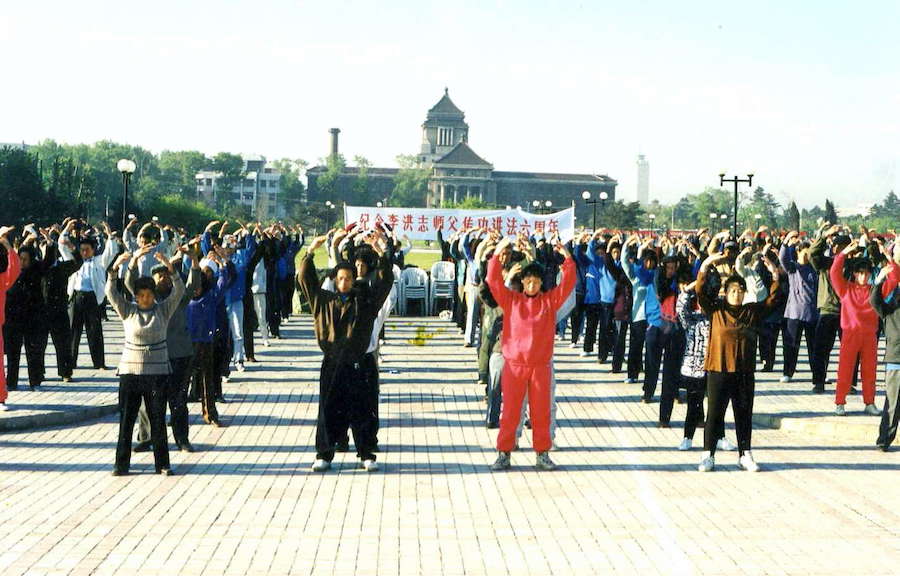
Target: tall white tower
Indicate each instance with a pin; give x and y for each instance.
(643, 180)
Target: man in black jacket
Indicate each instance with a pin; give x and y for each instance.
(344, 320)
(887, 309)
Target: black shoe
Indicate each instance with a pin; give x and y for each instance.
(166, 472)
(663, 425)
(12, 387)
(117, 472)
(142, 447)
(66, 378)
(853, 390)
(818, 389)
(104, 367)
(768, 368)
(221, 399)
(342, 446)
(528, 423)
(185, 446)
(646, 399)
(492, 425)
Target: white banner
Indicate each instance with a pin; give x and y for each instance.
(423, 223)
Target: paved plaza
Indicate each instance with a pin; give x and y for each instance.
(624, 501)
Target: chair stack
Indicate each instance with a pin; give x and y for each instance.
(413, 286)
(443, 283)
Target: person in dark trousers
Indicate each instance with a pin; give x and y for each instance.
(885, 299)
(25, 318)
(731, 359)
(344, 320)
(144, 368)
(86, 296)
(637, 329)
(9, 272)
(202, 312)
(180, 351)
(56, 310)
(800, 311)
(828, 326)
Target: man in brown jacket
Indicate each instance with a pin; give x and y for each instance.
(343, 322)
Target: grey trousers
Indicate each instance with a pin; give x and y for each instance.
(888, 430)
(552, 407)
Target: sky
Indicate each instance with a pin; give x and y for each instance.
(805, 95)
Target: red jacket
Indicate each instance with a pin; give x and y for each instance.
(7, 279)
(529, 324)
(856, 312)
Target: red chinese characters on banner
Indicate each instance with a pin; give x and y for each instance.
(423, 223)
(525, 228)
(538, 226)
(467, 222)
(553, 226)
(363, 222)
(437, 223)
(512, 225)
(379, 221)
(482, 223)
(407, 222)
(497, 223)
(452, 223)
(393, 220)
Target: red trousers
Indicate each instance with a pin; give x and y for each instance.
(514, 382)
(865, 345)
(3, 391)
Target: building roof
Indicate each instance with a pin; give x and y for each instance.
(463, 155)
(352, 170)
(554, 176)
(445, 108)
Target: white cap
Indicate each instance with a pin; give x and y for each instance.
(207, 263)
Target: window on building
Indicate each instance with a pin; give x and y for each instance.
(445, 136)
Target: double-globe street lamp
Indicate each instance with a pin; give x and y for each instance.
(331, 211)
(748, 180)
(540, 208)
(586, 195)
(127, 168)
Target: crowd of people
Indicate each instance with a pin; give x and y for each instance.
(698, 311)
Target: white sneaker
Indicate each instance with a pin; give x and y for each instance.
(240, 366)
(584, 354)
(871, 410)
(573, 345)
(839, 410)
(4, 407)
(707, 463)
(370, 465)
(321, 465)
(784, 379)
(266, 343)
(746, 462)
(685, 445)
(225, 379)
(725, 445)
(629, 381)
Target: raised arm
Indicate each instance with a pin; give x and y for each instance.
(118, 302)
(499, 291)
(836, 273)
(560, 293)
(13, 267)
(307, 278)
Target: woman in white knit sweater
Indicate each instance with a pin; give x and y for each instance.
(144, 366)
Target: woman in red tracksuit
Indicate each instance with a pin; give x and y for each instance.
(528, 331)
(859, 326)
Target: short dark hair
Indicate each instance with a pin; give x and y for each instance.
(343, 266)
(144, 283)
(87, 240)
(159, 269)
(533, 269)
(859, 264)
(735, 279)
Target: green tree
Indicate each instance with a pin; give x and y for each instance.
(410, 183)
(620, 215)
(470, 203)
(231, 167)
(791, 219)
(360, 195)
(329, 179)
(830, 212)
(178, 170)
(176, 210)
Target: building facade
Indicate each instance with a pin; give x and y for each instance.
(457, 172)
(258, 189)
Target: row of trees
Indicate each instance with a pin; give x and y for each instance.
(52, 178)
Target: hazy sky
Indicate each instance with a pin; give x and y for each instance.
(804, 94)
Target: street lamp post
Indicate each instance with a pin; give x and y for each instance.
(757, 217)
(735, 181)
(330, 205)
(712, 221)
(723, 217)
(652, 222)
(536, 204)
(127, 168)
(586, 195)
(548, 205)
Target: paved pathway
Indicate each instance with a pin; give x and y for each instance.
(625, 501)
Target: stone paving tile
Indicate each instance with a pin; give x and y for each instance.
(624, 502)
